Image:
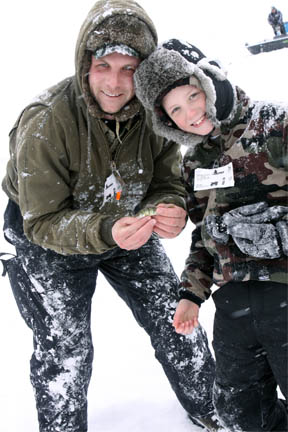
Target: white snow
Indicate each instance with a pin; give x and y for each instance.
(128, 390)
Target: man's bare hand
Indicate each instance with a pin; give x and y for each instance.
(170, 220)
(131, 233)
(186, 317)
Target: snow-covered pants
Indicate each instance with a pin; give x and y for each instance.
(250, 342)
(54, 294)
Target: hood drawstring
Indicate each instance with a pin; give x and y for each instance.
(89, 149)
(140, 146)
(118, 130)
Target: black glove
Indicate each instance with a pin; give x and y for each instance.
(259, 241)
(251, 229)
(282, 228)
(216, 229)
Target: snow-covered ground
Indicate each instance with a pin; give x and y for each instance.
(128, 391)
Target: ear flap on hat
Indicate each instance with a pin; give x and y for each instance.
(193, 81)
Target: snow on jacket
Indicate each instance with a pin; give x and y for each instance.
(256, 143)
(275, 18)
(61, 152)
(254, 138)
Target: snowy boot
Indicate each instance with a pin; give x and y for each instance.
(209, 423)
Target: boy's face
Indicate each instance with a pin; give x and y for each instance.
(111, 80)
(186, 106)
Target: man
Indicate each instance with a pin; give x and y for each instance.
(275, 19)
(83, 163)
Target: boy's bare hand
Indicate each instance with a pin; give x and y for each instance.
(186, 317)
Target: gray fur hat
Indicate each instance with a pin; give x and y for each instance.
(119, 25)
(126, 30)
(173, 62)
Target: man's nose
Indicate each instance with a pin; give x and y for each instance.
(114, 79)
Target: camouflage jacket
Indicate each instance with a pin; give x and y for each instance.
(256, 143)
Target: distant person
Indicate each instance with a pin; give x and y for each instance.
(275, 19)
(235, 171)
(83, 163)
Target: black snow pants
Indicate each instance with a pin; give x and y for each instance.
(54, 294)
(282, 29)
(250, 342)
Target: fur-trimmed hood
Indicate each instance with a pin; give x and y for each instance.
(170, 62)
(112, 21)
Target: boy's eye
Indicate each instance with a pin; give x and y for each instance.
(193, 95)
(174, 110)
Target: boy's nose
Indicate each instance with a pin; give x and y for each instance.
(190, 115)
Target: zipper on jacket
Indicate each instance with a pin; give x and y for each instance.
(126, 137)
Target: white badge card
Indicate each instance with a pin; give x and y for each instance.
(214, 178)
(112, 189)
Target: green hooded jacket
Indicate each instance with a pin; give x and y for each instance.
(62, 151)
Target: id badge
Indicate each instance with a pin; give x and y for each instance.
(214, 178)
(112, 189)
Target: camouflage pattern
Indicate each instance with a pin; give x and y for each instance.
(256, 143)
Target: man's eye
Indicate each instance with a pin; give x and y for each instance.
(101, 65)
(130, 68)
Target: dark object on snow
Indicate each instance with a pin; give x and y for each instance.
(250, 386)
(280, 39)
(210, 423)
(269, 45)
(275, 19)
(258, 230)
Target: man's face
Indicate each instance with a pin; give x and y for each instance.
(111, 80)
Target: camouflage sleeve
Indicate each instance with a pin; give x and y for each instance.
(277, 144)
(285, 143)
(196, 278)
